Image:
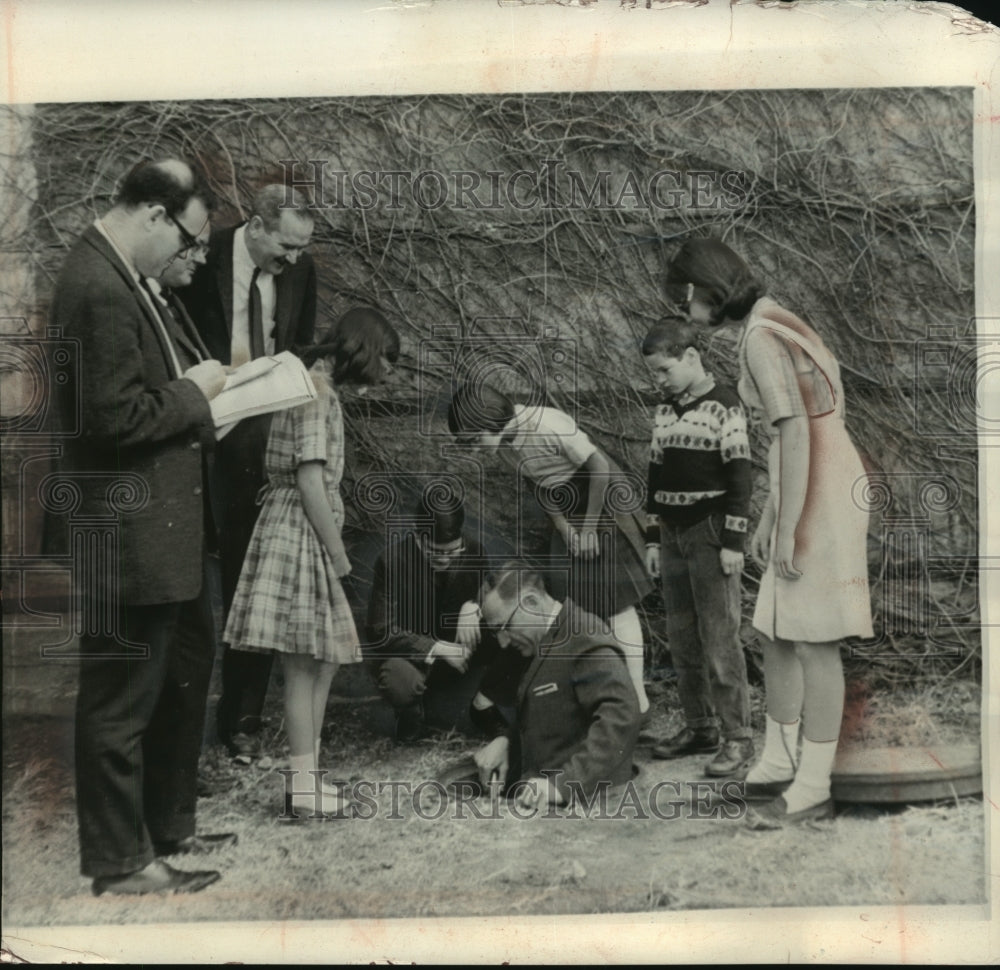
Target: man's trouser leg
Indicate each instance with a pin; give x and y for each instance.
(117, 698)
(172, 743)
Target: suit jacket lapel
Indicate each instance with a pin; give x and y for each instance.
(224, 277)
(103, 247)
(188, 334)
(556, 634)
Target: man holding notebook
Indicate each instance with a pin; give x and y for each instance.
(255, 296)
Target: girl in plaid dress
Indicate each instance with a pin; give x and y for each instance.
(811, 539)
(289, 598)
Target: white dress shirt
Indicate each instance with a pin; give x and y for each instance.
(243, 267)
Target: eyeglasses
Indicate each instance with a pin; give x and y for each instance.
(192, 246)
(506, 623)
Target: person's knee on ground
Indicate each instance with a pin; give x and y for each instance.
(401, 684)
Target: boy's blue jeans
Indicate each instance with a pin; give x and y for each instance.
(702, 607)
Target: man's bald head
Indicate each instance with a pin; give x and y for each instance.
(168, 182)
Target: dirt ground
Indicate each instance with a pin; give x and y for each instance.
(418, 857)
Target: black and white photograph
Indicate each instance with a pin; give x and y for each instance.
(499, 483)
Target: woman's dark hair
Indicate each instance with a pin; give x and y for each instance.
(356, 344)
(477, 409)
(729, 285)
(442, 504)
(671, 337)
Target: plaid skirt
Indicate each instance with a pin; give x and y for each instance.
(289, 598)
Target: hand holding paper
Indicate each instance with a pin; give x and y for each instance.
(259, 387)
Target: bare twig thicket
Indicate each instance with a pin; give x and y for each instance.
(856, 207)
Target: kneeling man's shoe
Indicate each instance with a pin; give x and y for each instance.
(157, 877)
(703, 740)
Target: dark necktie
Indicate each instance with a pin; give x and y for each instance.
(256, 318)
(165, 329)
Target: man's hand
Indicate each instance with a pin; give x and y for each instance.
(653, 561)
(452, 653)
(209, 377)
(731, 561)
(493, 757)
(467, 631)
(538, 793)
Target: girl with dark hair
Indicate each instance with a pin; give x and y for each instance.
(811, 540)
(587, 499)
(289, 598)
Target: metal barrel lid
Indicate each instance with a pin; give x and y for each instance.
(906, 774)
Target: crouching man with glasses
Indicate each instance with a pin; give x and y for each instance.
(577, 715)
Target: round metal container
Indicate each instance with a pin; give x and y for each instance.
(901, 775)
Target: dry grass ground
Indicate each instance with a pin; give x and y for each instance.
(399, 864)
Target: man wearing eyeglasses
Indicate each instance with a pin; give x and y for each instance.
(429, 657)
(254, 296)
(141, 400)
(577, 718)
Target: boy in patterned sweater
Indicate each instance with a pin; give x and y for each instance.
(698, 501)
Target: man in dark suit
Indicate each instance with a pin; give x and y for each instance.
(255, 296)
(424, 644)
(577, 711)
(142, 403)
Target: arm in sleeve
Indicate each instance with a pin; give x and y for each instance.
(602, 687)
(120, 408)
(736, 470)
(769, 360)
(386, 636)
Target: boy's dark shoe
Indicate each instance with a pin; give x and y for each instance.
(734, 758)
(702, 740)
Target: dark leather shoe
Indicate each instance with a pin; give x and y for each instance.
(157, 877)
(733, 758)
(688, 741)
(196, 844)
(775, 814)
(764, 791)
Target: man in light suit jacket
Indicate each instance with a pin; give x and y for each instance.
(255, 296)
(142, 402)
(577, 718)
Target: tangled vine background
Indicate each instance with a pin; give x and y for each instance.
(855, 206)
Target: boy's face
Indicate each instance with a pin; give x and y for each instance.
(675, 375)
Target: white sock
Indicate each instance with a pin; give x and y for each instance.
(304, 787)
(303, 782)
(777, 761)
(812, 780)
